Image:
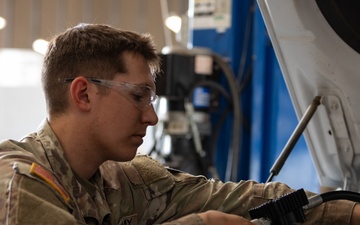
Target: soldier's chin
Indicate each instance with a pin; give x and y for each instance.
(128, 157)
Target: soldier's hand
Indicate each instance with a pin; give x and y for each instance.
(356, 215)
(213, 217)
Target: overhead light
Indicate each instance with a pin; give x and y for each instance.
(2, 23)
(173, 23)
(40, 46)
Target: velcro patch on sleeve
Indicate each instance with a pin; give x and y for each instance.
(150, 170)
(37, 170)
(144, 171)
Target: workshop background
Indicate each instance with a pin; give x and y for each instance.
(232, 29)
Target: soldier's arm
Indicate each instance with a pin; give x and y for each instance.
(238, 198)
(191, 197)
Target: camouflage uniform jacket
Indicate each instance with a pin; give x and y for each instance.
(37, 186)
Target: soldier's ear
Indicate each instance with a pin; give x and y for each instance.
(79, 93)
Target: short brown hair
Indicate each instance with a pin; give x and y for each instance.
(92, 50)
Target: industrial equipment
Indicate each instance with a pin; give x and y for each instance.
(290, 209)
(190, 84)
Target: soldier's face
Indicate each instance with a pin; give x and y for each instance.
(119, 125)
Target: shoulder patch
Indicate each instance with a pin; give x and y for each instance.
(149, 169)
(37, 170)
(156, 178)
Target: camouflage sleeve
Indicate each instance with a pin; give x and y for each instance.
(191, 219)
(27, 200)
(194, 194)
(238, 198)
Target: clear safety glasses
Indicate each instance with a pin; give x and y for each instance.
(141, 95)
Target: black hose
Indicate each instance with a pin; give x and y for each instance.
(317, 200)
(338, 195)
(214, 85)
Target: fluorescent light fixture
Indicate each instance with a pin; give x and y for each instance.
(2, 23)
(40, 46)
(173, 23)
